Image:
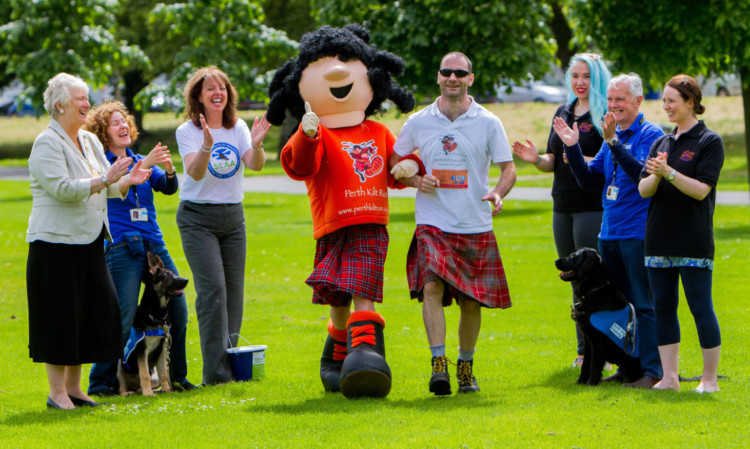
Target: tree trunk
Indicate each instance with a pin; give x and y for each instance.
(134, 82)
(558, 23)
(745, 79)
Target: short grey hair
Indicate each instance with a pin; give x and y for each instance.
(636, 85)
(58, 90)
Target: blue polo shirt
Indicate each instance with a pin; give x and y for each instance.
(624, 217)
(141, 196)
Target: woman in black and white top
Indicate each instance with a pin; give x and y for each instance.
(74, 317)
(680, 176)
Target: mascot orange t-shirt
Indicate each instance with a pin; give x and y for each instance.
(345, 172)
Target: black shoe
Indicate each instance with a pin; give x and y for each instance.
(440, 382)
(183, 385)
(365, 372)
(78, 402)
(53, 404)
(467, 383)
(334, 353)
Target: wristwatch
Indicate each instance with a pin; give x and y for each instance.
(614, 141)
(104, 180)
(670, 177)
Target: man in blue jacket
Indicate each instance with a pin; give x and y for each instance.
(627, 140)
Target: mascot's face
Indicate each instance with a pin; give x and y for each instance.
(338, 92)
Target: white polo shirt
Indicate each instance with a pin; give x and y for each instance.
(222, 183)
(459, 153)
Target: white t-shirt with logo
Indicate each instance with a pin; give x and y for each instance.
(459, 153)
(222, 183)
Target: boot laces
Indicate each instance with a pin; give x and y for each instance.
(363, 334)
(464, 374)
(440, 364)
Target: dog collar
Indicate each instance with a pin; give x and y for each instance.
(594, 290)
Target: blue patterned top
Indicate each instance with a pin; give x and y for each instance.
(673, 261)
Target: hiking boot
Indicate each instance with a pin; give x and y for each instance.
(334, 353)
(365, 372)
(440, 382)
(467, 383)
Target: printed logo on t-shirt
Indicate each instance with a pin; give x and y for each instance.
(224, 161)
(366, 161)
(687, 155)
(585, 127)
(449, 143)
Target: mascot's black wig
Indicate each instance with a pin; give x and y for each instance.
(350, 42)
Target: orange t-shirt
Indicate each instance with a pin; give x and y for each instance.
(346, 173)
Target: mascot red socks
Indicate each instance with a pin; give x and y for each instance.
(335, 83)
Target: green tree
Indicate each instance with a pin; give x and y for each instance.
(292, 16)
(503, 39)
(662, 38)
(230, 34)
(45, 37)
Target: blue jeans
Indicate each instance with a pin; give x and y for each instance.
(128, 271)
(627, 270)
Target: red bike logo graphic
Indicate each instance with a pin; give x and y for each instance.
(366, 161)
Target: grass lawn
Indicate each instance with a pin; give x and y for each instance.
(521, 121)
(528, 397)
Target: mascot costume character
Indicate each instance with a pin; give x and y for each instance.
(337, 80)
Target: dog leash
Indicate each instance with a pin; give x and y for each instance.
(630, 332)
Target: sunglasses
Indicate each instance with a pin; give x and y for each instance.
(448, 72)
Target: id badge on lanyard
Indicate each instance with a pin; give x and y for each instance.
(138, 213)
(612, 189)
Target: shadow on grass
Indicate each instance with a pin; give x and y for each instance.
(565, 381)
(18, 199)
(334, 403)
(732, 233)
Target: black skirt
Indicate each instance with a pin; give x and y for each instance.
(74, 315)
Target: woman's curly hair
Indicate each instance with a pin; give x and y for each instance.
(347, 43)
(97, 121)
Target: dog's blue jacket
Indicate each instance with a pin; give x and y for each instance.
(136, 336)
(614, 324)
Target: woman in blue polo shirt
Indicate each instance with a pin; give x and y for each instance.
(135, 232)
(680, 176)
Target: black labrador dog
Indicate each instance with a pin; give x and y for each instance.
(604, 315)
(148, 346)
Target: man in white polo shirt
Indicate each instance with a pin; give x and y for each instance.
(454, 253)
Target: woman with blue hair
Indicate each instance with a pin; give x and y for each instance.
(576, 213)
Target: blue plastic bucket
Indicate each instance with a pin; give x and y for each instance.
(248, 362)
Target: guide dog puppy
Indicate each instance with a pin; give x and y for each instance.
(148, 345)
(604, 315)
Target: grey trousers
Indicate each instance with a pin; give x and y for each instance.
(215, 242)
(574, 231)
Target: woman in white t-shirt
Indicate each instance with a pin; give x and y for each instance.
(214, 144)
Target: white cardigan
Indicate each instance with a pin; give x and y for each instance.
(63, 209)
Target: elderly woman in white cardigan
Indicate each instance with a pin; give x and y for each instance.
(74, 317)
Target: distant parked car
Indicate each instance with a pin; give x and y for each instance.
(530, 90)
(721, 85)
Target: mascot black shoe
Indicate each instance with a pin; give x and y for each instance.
(334, 353)
(365, 373)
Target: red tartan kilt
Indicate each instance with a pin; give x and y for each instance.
(469, 265)
(349, 262)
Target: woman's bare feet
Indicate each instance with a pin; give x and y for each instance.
(707, 387)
